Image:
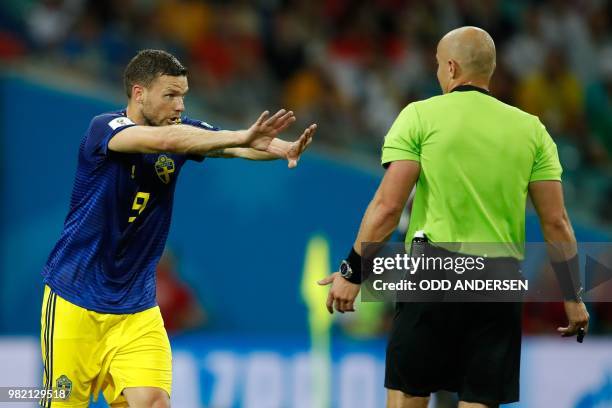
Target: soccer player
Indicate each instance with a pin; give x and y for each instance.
(473, 159)
(101, 329)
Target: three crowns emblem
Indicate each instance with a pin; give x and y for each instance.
(164, 167)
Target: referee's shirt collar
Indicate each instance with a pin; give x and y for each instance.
(465, 88)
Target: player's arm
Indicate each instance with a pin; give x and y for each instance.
(190, 140)
(378, 223)
(277, 149)
(547, 198)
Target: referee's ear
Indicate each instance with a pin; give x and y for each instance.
(454, 69)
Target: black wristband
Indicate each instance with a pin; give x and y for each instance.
(568, 275)
(354, 261)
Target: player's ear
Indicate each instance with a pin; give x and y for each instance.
(138, 93)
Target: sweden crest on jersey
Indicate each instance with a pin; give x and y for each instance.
(65, 386)
(164, 167)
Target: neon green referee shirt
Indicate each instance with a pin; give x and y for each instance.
(477, 156)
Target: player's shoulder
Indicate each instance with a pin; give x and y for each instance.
(109, 121)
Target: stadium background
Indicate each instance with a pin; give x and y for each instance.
(249, 239)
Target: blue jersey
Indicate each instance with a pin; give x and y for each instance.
(117, 224)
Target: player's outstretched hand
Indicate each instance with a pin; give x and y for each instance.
(299, 146)
(578, 318)
(266, 128)
(342, 293)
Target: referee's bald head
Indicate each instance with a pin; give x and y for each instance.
(465, 55)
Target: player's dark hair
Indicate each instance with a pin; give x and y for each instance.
(148, 65)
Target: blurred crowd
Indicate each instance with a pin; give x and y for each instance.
(349, 65)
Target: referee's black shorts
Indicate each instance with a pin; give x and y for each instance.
(470, 348)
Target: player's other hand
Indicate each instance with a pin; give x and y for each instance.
(577, 317)
(299, 146)
(342, 293)
(266, 128)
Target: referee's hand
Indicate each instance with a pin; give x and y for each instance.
(577, 316)
(342, 293)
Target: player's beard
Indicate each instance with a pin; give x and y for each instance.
(149, 121)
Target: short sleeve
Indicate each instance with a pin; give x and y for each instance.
(546, 165)
(202, 125)
(101, 129)
(403, 141)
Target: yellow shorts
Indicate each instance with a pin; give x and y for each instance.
(85, 352)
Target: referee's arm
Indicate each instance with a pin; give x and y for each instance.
(378, 223)
(385, 209)
(547, 198)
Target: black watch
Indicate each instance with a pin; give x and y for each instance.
(345, 270)
(350, 268)
(578, 297)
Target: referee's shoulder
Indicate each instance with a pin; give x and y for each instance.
(423, 104)
(433, 102)
(518, 112)
(440, 102)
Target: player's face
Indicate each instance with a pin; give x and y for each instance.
(163, 100)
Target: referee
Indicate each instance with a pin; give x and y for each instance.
(473, 159)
